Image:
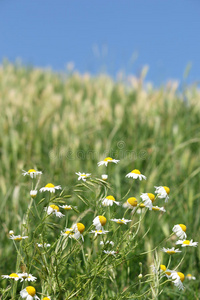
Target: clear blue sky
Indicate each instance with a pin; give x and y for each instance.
(109, 35)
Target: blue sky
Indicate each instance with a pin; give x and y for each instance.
(106, 35)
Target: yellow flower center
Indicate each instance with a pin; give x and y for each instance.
(50, 185)
(110, 198)
(181, 275)
(108, 158)
(31, 171)
(167, 189)
(68, 232)
(132, 201)
(80, 227)
(151, 196)
(155, 208)
(83, 175)
(136, 171)
(55, 207)
(18, 238)
(102, 220)
(170, 251)
(183, 227)
(31, 290)
(142, 205)
(189, 275)
(186, 242)
(99, 231)
(163, 268)
(168, 273)
(14, 275)
(120, 221)
(46, 298)
(67, 207)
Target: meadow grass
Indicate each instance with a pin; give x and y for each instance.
(66, 123)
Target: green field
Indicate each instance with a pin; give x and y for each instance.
(66, 123)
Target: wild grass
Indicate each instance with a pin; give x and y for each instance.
(62, 124)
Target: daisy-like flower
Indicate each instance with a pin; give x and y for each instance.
(108, 242)
(17, 238)
(166, 271)
(131, 203)
(83, 176)
(104, 177)
(45, 245)
(29, 293)
(110, 252)
(121, 221)
(179, 231)
(14, 276)
(33, 193)
(78, 229)
(66, 207)
(50, 188)
(27, 277)
(170, 251)
(148, 199)
(69, 232)
(163, 192)
(53, 209)
(96, 232)
(157, 208)
(99, 222)
(178, 278)
(187, 243)
(136, 174)
(106, 161)
(109, 200)
(32, 173)
(190, 277)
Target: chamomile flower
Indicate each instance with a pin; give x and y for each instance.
(14, 276)
(32, 173)
(99, 222)
(166, 271)
(29, 293)
(109, 200)
(110, 252)
(17, 238)
(69, 232)
(190, 277)
(104, 177)
(121, 221)
(66, 207)
(178, 278)
(33, 193)
(45, 245)
(179, 231)
(50, 188)
(98, 232)
(170, 251)
(78, 229)
(163, 192)
(131, 203)
(107, 242)
(83, 176)
(136, 174)
(27, 277)
(148, 199)
(106, 161)
(186, 243)
(157, 208)
(53, 209)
